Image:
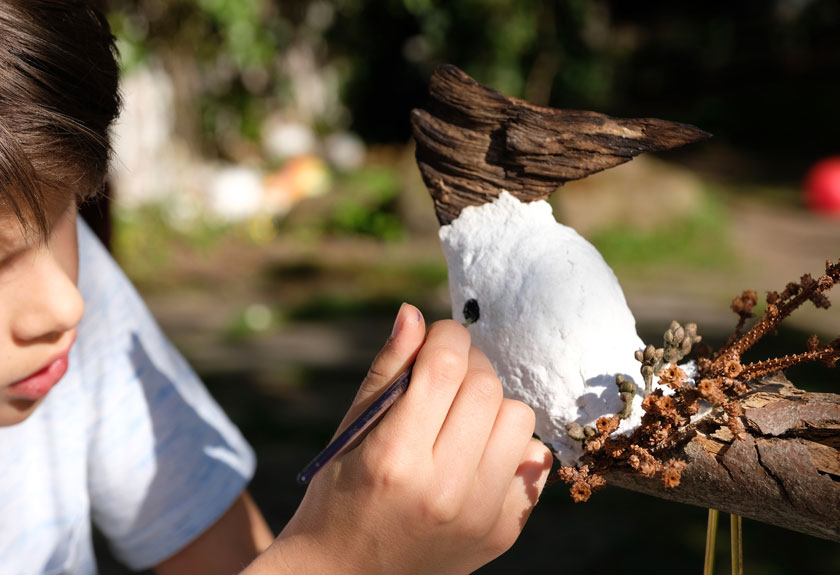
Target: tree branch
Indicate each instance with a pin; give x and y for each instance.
(785, 472)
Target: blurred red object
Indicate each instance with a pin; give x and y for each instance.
(822, 187)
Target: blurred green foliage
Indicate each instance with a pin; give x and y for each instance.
(146, 239)
(751, 73)
(251, 321)
(362, 202)
(221, 54)
(367, 205)
(701, 240)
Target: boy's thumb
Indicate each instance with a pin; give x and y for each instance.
(397, 354)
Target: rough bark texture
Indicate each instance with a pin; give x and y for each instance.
(474, 142)
(786, 472)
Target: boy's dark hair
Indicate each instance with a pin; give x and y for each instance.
(58, 96)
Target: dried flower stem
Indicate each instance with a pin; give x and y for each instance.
(793, 297)
(828, 355)
(742, 305)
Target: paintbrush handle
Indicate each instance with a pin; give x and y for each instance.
(360, 426)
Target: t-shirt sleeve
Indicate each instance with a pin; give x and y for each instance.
(164, 461)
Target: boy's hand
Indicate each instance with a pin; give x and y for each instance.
(443, 484)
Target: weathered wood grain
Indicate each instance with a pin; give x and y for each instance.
(474, 142)
(786, 472)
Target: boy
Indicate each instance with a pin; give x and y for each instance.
(100, 417)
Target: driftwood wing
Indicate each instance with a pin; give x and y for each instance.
(474, 142)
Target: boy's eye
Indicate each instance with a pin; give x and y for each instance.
(471, 311)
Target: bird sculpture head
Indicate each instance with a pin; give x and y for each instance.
(537, 298)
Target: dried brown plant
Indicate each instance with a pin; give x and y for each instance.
(721, 381)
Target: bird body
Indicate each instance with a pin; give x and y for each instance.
(540, 300)
(547, 310)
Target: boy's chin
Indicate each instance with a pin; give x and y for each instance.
(14, 411)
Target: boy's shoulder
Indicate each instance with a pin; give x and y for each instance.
(116, 320)
(100, 278)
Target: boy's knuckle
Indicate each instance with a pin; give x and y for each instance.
(521, 414)
(440, 507)
(375, 374)
(446, 365)
(452, 328)
(372, 383)
(485, 387)
(368, 465)
(384, 468)
(475, 527)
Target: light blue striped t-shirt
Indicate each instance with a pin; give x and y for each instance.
(129, 438)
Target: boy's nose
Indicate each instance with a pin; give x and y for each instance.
(53, 304)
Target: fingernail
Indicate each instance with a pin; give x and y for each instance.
(398, 323)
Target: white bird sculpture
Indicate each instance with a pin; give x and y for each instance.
(538, 299)
(544, 306)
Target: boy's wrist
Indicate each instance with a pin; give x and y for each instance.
(274, 560)
(292, 555)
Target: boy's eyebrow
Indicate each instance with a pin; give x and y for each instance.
(15, 236)
(8, 225)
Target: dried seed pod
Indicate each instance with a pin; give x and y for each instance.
(626, 391)
(650, 357)
(575, 430)
(678, 341)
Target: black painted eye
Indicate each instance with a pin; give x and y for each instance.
(471, 313)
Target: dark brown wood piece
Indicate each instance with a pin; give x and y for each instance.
(473, 143)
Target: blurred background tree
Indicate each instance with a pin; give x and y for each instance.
(729, 68)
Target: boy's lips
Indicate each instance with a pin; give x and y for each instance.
(38, 384)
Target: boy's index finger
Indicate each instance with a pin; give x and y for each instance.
(395, 357)
(438, 373)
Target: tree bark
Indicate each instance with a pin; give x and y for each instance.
(785, 472)
(474, 142)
